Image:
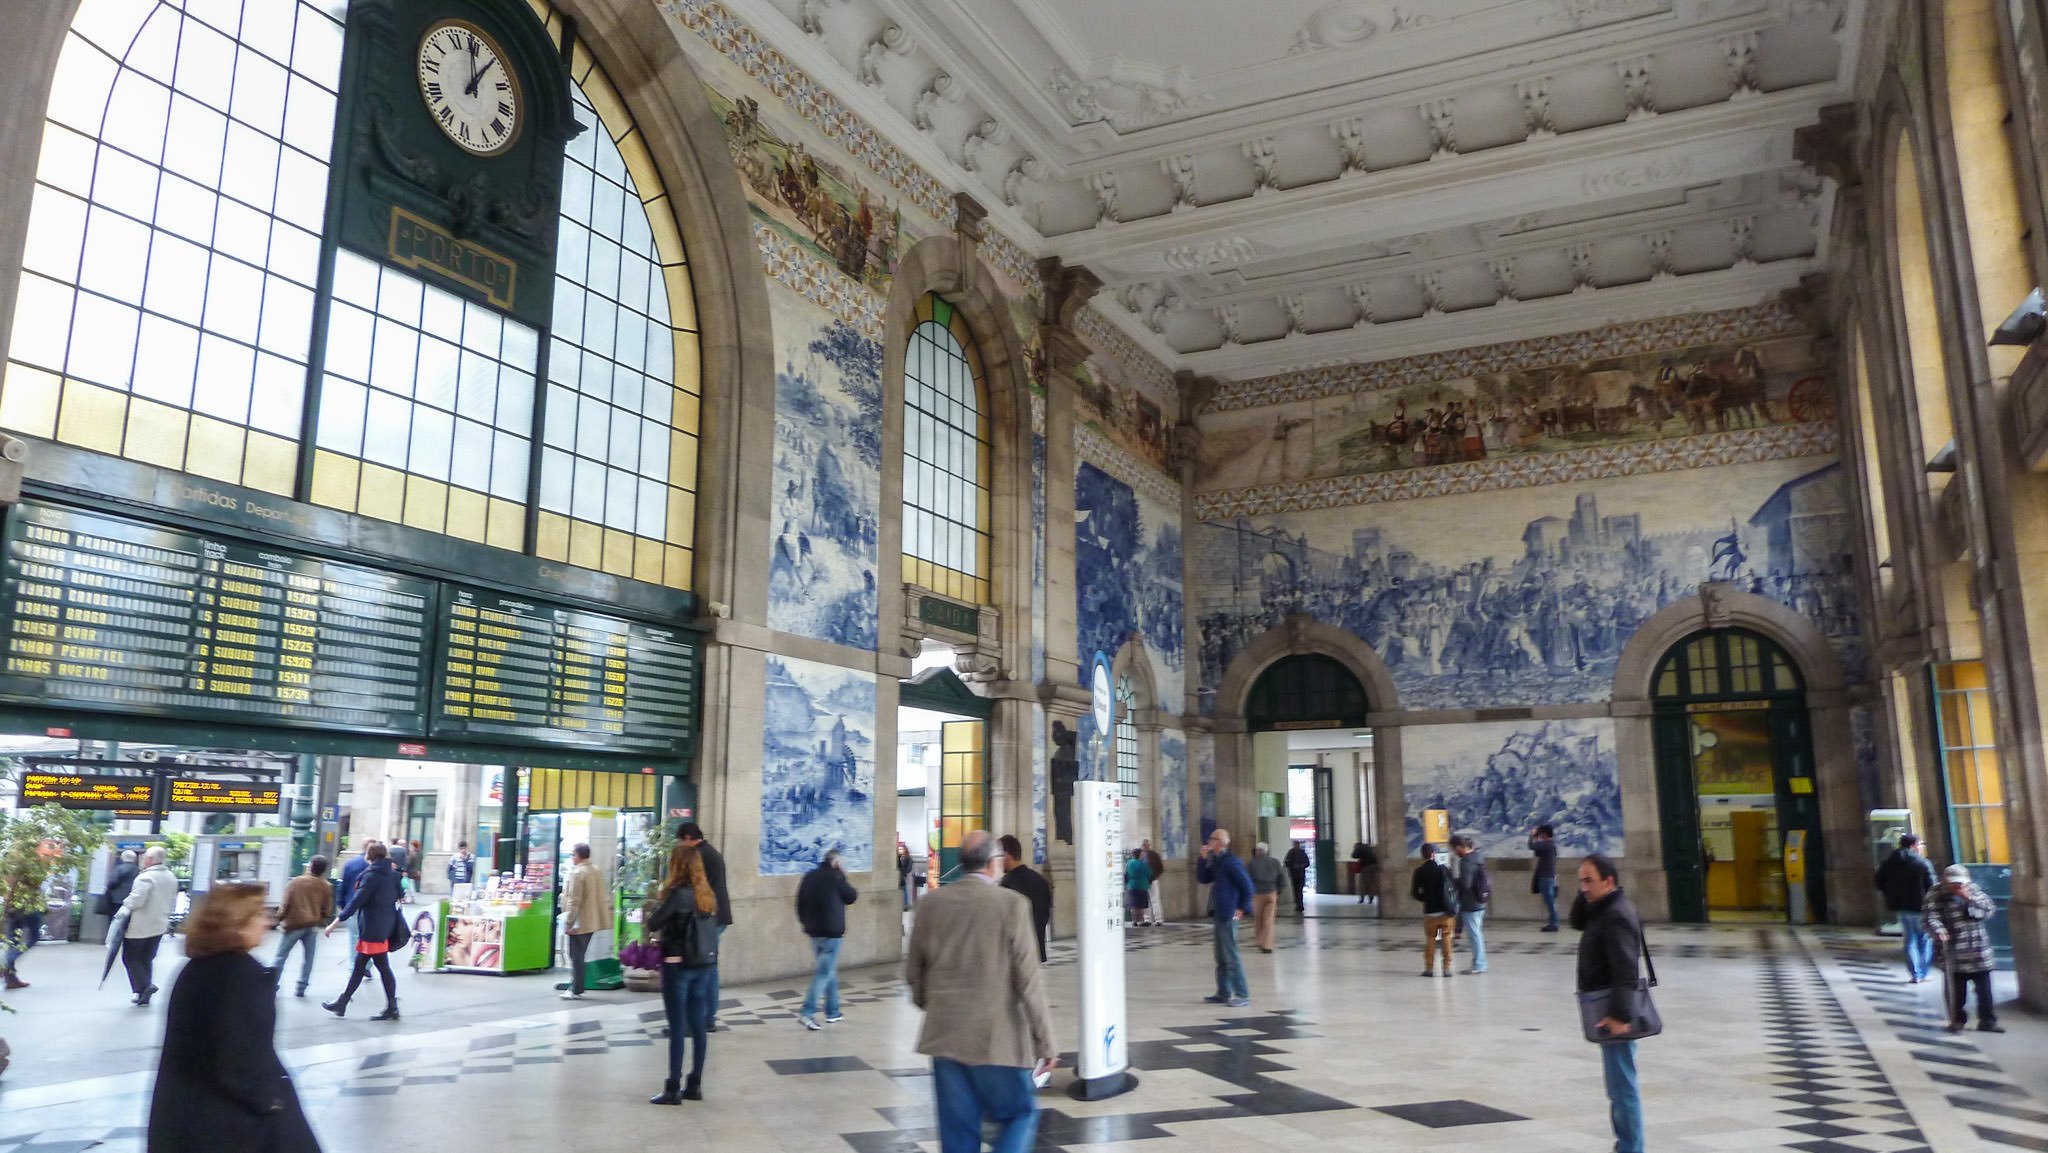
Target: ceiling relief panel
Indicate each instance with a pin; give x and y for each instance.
(1299, 183)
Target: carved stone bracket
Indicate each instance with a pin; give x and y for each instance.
(1829, 146)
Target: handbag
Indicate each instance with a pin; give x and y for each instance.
(401, 933)
(1595, 1006)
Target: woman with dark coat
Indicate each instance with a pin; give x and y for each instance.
(686, 989)
(375, 908)
(219, 1083)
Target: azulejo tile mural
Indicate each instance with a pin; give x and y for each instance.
(828, 477)
(809, 199)
(1509, 411)
(1500, 780)
(817, 767)
(1483, 600)
(1128, 573)
(1173, 795)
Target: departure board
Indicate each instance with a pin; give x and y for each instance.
(111, 614)
(525, 670)
(86, 791)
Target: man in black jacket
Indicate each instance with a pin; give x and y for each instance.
(1904, 879)
(1432, 885)
(821, 901)
(1296, 861)
(714, 871)
(1022, 878)
(1610, 951)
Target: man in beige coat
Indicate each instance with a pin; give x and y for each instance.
(587, 908)
(973, 969)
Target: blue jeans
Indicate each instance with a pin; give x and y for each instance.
(1474, 923)
(1624, 1102)
(967, 1093)
(307, 937)
(21, 932)
(711, 1014)
(1547, 887)
(1229, 966)
(687, 995)
(1919, 945)
(824, 977)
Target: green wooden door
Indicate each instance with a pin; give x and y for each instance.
(1798, 794)
(1678, 814)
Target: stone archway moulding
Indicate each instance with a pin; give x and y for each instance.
(1719, 606)
(1301, 635)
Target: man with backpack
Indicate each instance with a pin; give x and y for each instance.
(1437, 890)
(1475, 889)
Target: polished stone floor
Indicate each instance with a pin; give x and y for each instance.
(1775, 1039)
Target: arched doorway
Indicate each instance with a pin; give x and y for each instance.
(1307, 715)
(1735, 780)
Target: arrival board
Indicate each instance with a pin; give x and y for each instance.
(525, 670)
(111, 614)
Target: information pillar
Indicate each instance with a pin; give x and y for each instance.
(1104, 1046)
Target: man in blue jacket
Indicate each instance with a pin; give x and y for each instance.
(1230, 897)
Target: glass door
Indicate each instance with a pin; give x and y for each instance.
(1973, 789)
(963, 789)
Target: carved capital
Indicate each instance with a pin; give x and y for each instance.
(1064, 351)
(968, 218)
(1195, 391)
(1829, 145)
(1066, 290)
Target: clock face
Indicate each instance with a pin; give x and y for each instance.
(469, 87)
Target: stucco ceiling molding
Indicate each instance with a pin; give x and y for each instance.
(1606, 462)
(1662, 334)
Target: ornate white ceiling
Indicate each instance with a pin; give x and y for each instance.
(1268, 186)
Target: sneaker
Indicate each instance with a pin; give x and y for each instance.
(571, 995)
(1217, 999)
(1429, 972)
(1548, 929)
(1472, 972)
(1990, 1027)
(1238, 1002)
(810, 1023)
(834, 1018)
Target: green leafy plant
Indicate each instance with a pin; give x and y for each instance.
(36, 843)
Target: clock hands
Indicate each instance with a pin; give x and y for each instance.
(476, 77)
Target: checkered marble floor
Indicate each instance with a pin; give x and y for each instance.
(1774, 1040)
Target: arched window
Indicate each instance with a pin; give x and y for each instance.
(1726, 663)
(1979, 116)
(946, 457)
(1129, 772)
(1873, 456)
(168, 293)
(1920, 319)
(172, 309)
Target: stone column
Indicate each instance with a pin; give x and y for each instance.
(1067, 291)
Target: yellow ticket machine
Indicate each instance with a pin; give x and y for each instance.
(1795, 877)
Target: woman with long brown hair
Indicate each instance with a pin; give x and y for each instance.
(219, 1083)
(685, 924)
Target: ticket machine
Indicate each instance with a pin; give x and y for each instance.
(221, 858)
(1799, 909)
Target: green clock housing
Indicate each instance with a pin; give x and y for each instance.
(449, 144)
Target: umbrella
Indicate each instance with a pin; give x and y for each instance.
(116, 930)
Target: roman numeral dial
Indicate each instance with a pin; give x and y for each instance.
(469, 87)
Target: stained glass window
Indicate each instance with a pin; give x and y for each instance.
(946, 457)
(166, 304)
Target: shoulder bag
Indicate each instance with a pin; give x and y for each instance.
(1594, 1007)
